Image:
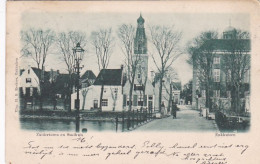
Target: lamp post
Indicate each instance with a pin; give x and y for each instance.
(78, 54)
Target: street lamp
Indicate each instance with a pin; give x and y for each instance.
(78, 54)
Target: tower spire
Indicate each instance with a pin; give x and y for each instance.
(140, 41)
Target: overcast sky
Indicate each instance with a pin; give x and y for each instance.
(189, 24)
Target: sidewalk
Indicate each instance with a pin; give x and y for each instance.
(187, 120)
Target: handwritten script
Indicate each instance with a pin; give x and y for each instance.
(81, 147)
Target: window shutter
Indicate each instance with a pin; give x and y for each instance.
(135, 100)
(145, 100)
(124, 100)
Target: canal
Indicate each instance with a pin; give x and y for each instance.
(67, 125)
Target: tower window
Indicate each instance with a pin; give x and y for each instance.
(216, 93)
(216, 60)
(216, 75)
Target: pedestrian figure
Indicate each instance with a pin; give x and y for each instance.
(174, 110)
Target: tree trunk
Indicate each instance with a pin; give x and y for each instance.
(238, 100)
(170, 100)
(69, 93)
(160, 94)
(41, 97)
(84, 101)
(101, 97)
(130, 96)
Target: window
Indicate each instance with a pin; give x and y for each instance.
(105, 90)
(139, 75)
(28, 71)
(228, 76)
(138, 87)
(216, 93)
(228, 94)
(203, 93)
(28, 80)
(127, 101)
(104, 102)
(58, 96)
(140, 100)
(216, 75)
(216, 60)
(66, 85)
(116, 90)
(95, 104)
(150, 97)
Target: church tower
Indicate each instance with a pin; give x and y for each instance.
(140, 51)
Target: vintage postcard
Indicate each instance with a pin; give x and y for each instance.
(132, 82)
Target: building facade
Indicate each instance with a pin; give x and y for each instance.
(143, 90)
(221, 80)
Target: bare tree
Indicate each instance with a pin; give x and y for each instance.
(202, 52)
(236, 65)
(172, 76)
(102, 41)
(126, 34)
(114, 95)
(66, 42)
(84, 94)
(36, 45)
(165, 41)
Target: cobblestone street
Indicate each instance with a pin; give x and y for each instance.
(187, 120)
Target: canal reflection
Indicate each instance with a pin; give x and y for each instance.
(67, 125)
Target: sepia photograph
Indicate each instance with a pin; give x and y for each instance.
(134, 72)
(132, 82)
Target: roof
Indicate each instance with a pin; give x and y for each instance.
(140, 19)
(109, 77)
(61, 80)
(88, 75)
(21, 71)
(38, 73)
(228, 44)
(176, 85)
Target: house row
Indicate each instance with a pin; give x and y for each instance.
(53, 82)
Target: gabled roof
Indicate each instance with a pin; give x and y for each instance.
(109, 77)
(88, 75)
(38, 73)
